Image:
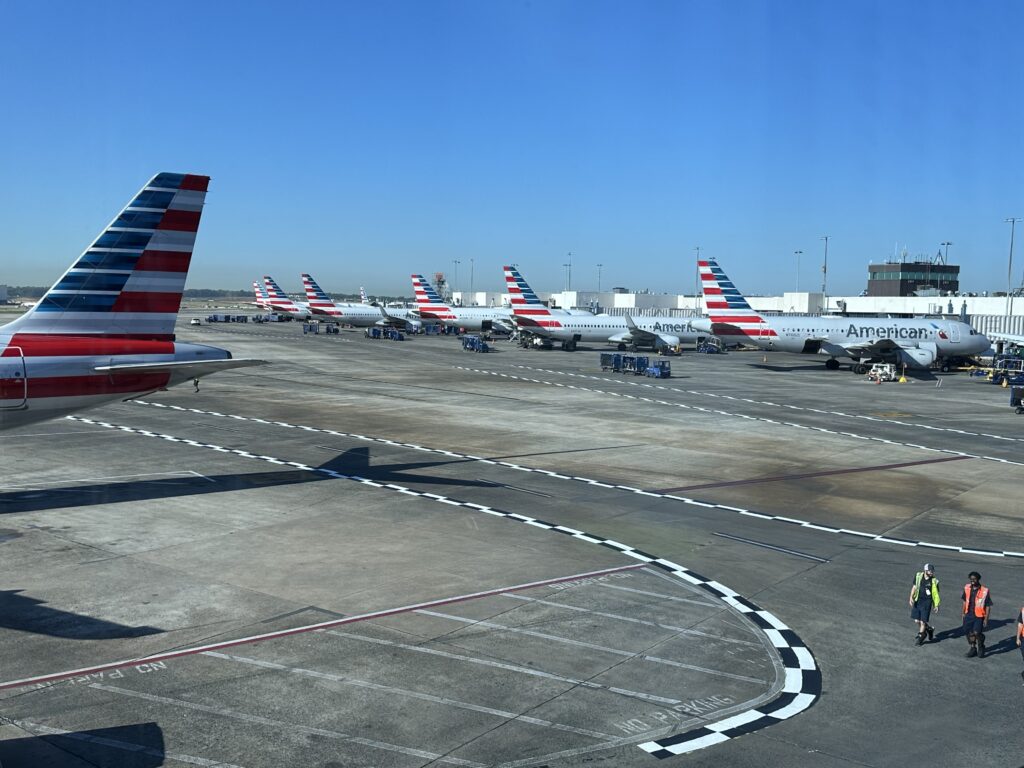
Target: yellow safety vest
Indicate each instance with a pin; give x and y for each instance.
(917, 588)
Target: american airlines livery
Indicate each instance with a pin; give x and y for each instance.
(915, 342)
(105, 330)
(431, 306)
(261, 295)
(533, 318)
(278, 301)
(360, 315)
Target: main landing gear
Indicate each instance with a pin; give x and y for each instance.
(832, 364)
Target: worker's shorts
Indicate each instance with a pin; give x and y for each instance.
(921, 611)
(973, 624)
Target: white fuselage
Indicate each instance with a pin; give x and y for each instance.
(854, 337)
(45, 376)
(609, 329)
(479, 318)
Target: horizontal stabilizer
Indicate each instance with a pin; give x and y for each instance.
(181, 371)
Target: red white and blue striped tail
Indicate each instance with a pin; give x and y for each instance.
(429, 303)
(277, 299)
(729, 312)
(129, 282)
(527, 308)
(317, 298)
(262, 299)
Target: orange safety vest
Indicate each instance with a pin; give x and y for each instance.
(979, 600)
(1020, 623)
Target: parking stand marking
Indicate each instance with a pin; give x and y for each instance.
(801, 686)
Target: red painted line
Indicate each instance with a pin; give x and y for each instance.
(57, 676)
(826, 473)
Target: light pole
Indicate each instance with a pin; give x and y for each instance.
(945, 256)
(797, 253)
(568, 273)
(455, 277)
(599, 277)
(1009, 267)
(696, 282)
(471, 278)
(824, 277)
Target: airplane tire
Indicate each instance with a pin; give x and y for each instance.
(621, 347)
(860, 369)
(832, 364)
(570, 346)
(944, 368)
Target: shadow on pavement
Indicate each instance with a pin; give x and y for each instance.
(127, 746)
(27, 614)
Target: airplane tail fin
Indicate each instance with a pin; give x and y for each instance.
(730, 313)
(362, 295)
(429, 303)
(317, 298)
(523, 298)
(262, 299)
(277, 299)
(129, 282)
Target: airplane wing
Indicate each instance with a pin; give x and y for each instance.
(638, 335)
(181, 371)
(531, 326)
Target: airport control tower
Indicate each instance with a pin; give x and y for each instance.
(921, 277)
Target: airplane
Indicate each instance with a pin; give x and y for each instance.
(534, 319)
(362, 295)
(360, 315)
(262, 298)
(278, 301)
(105, 330)
(915, 342)
(431, 306)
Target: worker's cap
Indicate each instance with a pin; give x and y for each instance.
(929, 567)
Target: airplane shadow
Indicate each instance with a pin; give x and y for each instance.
(27, 614)
(126, 746)
(791, 368)
(918, 375)
(352, 462)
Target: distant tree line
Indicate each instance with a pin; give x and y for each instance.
(35, 291)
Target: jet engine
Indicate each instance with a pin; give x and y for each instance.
(920, 357)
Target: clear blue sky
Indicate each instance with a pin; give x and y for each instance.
(364, 141)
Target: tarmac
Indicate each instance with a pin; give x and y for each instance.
(382, 553)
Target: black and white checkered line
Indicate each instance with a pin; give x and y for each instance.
(748, 417)
(878, 537)
(721, 396)
(801, 686)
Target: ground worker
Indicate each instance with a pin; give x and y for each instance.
(977, 603)
(1020, 636)
(924, 595)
